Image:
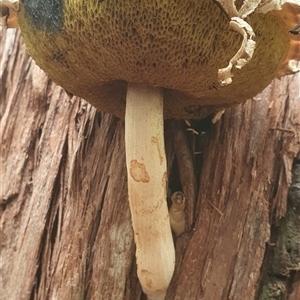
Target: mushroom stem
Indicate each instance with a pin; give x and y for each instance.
(147, 180)
(177, 214)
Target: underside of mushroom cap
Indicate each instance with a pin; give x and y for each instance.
(93, 50)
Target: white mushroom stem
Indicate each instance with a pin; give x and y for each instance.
(147, 180)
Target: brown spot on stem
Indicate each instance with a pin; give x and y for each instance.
(138, 172)
(155, 140)
(164, 180)
(147, 277)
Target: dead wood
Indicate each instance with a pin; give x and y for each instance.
(65, 221)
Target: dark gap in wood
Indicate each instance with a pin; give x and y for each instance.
(98, 118)
(174, 179)
(9, 199)
(54, 232)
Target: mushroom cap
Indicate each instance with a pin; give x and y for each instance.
(93, 48)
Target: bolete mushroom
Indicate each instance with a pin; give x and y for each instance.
(149, 60)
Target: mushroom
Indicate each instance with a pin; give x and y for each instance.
(147, 183)
(177, 214)
(148, 60)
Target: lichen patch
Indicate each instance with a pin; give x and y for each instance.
(154, 140)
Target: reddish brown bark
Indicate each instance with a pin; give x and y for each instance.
(65, 221)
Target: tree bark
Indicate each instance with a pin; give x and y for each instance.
(65, 221)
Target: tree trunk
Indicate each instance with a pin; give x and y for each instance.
(65, 221)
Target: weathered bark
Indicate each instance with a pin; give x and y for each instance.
(65, 222)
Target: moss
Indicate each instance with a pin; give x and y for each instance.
(287, 252)
(284, 258)
(273, 289)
